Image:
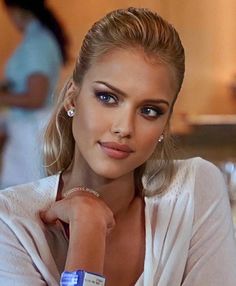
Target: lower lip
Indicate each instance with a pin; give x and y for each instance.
(113, 153)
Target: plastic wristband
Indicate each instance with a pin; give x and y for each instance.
(81, 278)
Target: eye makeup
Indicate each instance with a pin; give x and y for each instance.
(151, 112)
(150, 109)
(106, 98)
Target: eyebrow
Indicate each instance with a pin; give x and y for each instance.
(117, 90)
(122, 93)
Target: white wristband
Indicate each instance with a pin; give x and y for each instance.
(81, 278)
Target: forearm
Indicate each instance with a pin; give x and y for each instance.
(34, 97)
(86, 248)
(22, 100)
(90, 220)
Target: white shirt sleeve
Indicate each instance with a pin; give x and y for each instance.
(212, 253)
(16, 266)
(28, 248)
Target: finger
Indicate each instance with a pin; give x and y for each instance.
(49, 216)
(111, 224)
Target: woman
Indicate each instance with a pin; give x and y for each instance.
(117, 208)
(32, 73)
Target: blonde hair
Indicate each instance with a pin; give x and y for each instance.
(123, 28)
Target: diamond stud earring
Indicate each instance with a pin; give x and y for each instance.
(161, 138)
(71, 112)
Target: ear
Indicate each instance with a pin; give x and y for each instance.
(70, 95)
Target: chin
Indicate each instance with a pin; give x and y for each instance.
(111, 173)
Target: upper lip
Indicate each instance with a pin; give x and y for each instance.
(117, 146)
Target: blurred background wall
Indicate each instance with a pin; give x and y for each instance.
(207, 29)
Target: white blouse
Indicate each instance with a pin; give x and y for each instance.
(189, 233)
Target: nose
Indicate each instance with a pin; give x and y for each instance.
(123, 124)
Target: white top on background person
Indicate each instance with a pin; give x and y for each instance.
(156, 221)
(32, 73)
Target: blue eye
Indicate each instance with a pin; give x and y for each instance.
(106, 97)
(151, 112)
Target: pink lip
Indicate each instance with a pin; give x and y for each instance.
(116, 150)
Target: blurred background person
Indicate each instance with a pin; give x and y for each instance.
(31, 75)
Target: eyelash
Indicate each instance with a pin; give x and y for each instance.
(158, 112)
(101, 97)
(105, 98)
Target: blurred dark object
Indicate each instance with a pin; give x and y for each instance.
(232, 86)
(5, 86)
(210, 136)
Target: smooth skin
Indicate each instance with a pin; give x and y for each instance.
(125, 98)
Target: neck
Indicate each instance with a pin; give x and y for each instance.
(118, 193)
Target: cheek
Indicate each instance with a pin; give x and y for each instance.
(151, 143)
(90, 121)
(148, 142)
(148, 139)
(149, 135)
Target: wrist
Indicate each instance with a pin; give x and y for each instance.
(88, 226)
(86, 248)
(81, 278)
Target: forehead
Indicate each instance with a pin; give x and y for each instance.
(133, 70)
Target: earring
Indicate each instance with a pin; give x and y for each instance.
(161, 138)
(71, 112)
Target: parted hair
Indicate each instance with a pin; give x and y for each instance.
(123, 28)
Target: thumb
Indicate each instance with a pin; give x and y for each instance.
(48, 216)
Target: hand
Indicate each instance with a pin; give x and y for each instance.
(79, 208)
(90, 220)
